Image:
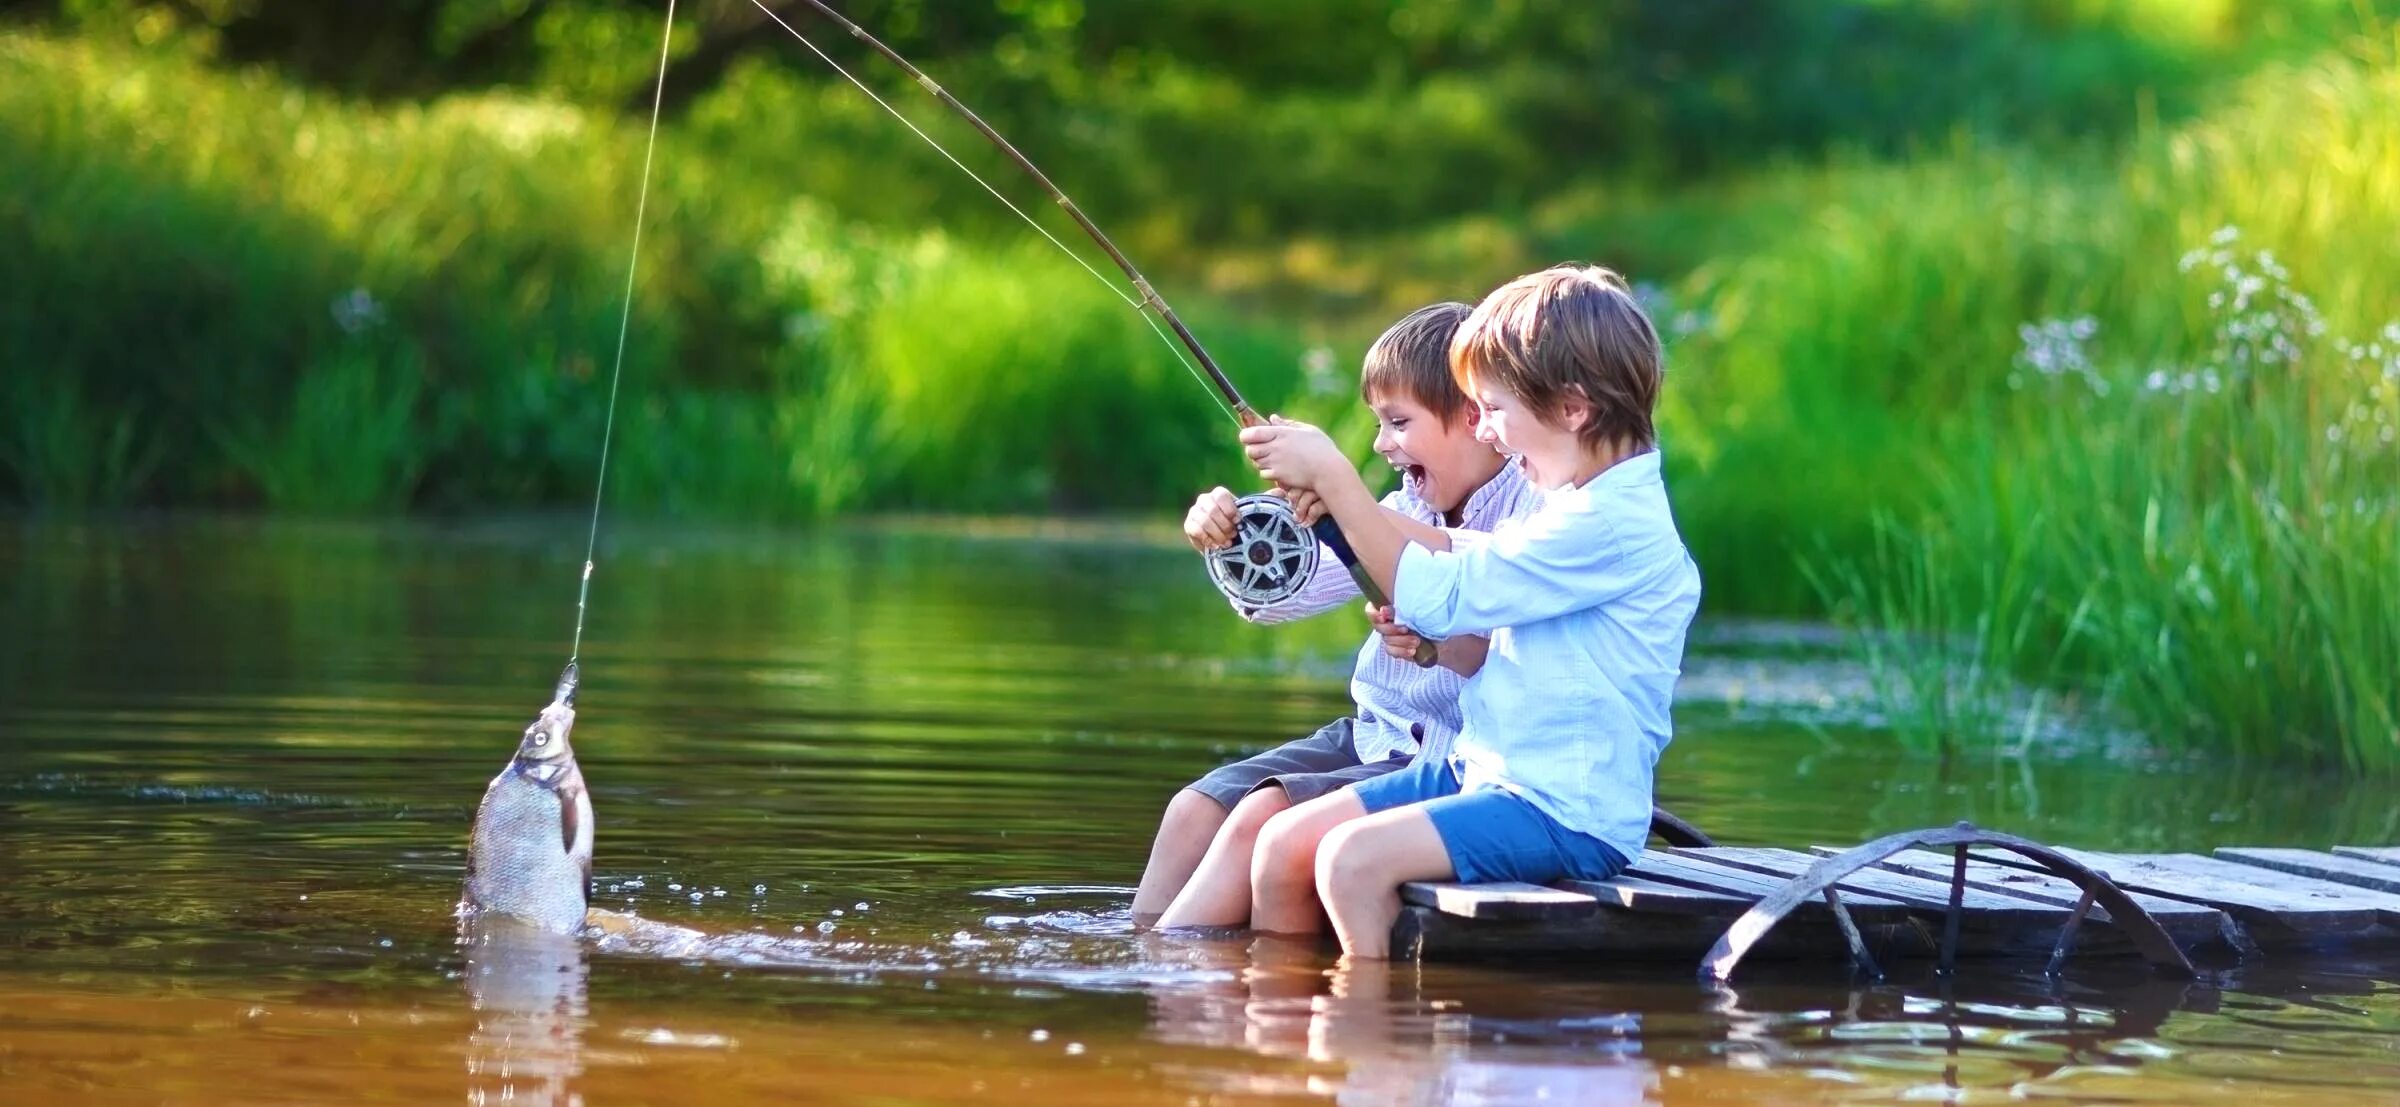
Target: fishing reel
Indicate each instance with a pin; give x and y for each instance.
(1272, 556)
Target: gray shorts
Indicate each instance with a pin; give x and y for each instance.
(1304, 768)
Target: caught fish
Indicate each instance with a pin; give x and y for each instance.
(531, 854)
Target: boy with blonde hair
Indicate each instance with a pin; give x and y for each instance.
(1200, 862)
(1586, 603)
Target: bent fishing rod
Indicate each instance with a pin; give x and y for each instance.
(1272, 555)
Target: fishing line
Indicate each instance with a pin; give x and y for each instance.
(1253, 569)
(616, 373)
(1113, 288)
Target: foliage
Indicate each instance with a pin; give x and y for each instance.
(416, 302)
(1244, 121)
(2205, 546)
(421, 306)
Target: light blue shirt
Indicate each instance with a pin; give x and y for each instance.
(1586, 602)
(1402, 709)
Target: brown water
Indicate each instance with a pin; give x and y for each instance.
(896, 784)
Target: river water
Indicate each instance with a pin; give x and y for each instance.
(876, 798)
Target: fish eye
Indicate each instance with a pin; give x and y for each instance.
(541, 737)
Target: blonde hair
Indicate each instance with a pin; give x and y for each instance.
(1412, 359)
(1567, 332)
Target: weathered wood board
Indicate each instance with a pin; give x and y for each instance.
(1674, 903)
(1668, 867)
(2190, 924)
(1500, 900)
(1978, 906)
(2387, 855)
(2322, 866)
(2271, 907)
(1634, 893)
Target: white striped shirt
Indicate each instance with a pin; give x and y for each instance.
(1393, 695)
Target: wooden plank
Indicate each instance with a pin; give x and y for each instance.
(1978, 906)
(1499, 900)
(1668, 867)
(1636, 894)
(2384, 855)
(2188, 923)
(2271, 906)
(2323, 866)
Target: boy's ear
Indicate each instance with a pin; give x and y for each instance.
(1575, 407)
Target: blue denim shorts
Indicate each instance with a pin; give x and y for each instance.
(1491, 834)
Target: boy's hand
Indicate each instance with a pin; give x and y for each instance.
(1399, 641)
(1295, 455)
(1209, 525)
(1306, 505)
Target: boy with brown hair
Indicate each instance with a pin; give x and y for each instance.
(1585, 602)
(1199, 869)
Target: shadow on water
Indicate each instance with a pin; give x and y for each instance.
(869, 804)
(529, 991)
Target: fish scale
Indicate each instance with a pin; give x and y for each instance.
(530, 857)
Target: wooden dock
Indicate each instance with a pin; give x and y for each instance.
(1711, 905)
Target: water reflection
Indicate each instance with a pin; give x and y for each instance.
(1371, 1032)
(238, 760)
(1940, 1038)
(1379, 1034)
(528, 990)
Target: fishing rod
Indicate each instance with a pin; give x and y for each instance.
(1273, 554)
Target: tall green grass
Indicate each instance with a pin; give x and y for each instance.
(1848, 357)
(2189, 521)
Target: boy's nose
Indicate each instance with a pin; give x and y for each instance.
(1383, 440)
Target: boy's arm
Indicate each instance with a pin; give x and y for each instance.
(1301, 457)
(1461, 653)
(1422, 533)
(1535, 568)
(1464, 653)
(1374, 531)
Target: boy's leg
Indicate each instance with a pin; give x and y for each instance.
(1284, 895)
(1184, 834)
(1361, 865)
(1479, 836)
(1218, 894)
(1197, 811)
(1283, 892)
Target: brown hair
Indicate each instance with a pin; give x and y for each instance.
(1412, 359)
(1566, 330)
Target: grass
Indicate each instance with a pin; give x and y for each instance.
(2088, 518)
(2200, 551)
(349, 441)
(416, 307)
